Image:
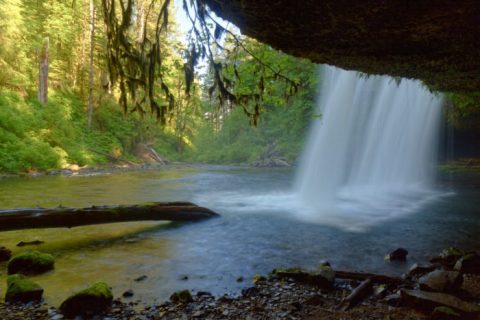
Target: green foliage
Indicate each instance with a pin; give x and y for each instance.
(35, 137)
(96, 290)
(465, 111)
(228, 137)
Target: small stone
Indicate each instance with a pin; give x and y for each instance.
(5, 254)
(379, 290)
(399, 254)
(327, 273)
(393, 299)
(204, 294)
(183, 296)
(141, 278)
(258, 278)
(251, 291)
(128, 294)
(198, 314)
(325, 263)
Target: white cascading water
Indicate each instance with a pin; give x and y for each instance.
(371, 155)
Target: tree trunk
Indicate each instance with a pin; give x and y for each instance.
(81, 64)
(43, 73)
(141, 23)
(90, 74)
(34, 218)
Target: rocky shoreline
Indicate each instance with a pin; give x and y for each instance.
(447, 288)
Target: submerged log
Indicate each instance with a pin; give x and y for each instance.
(30, 218)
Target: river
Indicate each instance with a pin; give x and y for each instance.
(255, 233)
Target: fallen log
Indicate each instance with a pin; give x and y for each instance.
(375, 278)
(34, 218)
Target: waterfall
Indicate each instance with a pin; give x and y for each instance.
(371, 152)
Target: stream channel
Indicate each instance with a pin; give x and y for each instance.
(255, 233)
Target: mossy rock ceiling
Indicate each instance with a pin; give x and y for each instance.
(435, 41)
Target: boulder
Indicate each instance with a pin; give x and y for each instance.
(399, 254)
(182, 296)
(31, 262)
(448, 257)
(469, 263)
(327, 273)
(5, 254)
(93, 300)
(428, 301)
(21, 289)
(441, 281)
(128, 294)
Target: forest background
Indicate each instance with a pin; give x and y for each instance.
(80, 122)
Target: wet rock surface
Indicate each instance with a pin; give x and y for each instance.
(93, 300)
(31, 262)
(294, 294)
(22, 289)
(271, 298)
(428, 301)
(399, 254)
(441, 281)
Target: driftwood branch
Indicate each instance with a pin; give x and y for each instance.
(31, 218)
(358, 294)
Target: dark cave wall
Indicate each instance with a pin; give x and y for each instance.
(435, 41)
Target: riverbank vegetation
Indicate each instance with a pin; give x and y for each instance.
(81, 122)
(75, 114)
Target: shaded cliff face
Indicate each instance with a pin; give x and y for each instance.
(435, 41)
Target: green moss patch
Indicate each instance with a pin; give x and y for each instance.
(93, 300)
(21, 289)
(31, 262)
